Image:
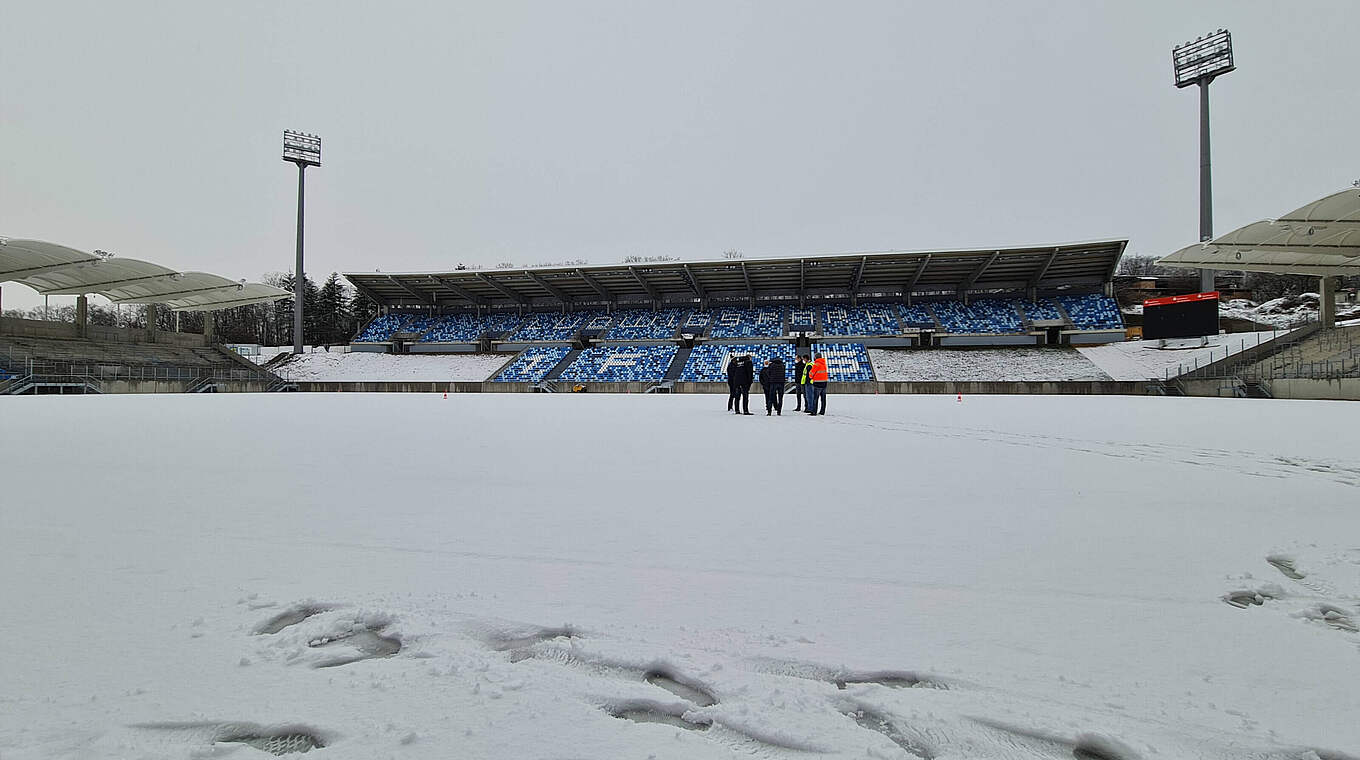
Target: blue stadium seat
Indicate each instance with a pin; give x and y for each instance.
(418, 325)
(1043, 310)
(989, 316)
(381, 328)
(802, 320)
(646, 324)
(455, 328)
(621, 364)
(696, 322)
(859, 320)
(766, 322)
(1093, 312)
(845, 362)
(533, 364)
(502, 323)
(554, 326)
(708, 361)
(917, 315)
(597, 321)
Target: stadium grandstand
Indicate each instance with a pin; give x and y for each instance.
(41, 357)
(667, 322)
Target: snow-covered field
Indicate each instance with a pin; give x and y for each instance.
(359, 367)
(1142, 360)
(983, 364)
(594, 576)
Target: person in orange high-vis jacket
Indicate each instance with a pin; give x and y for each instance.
(817, 375)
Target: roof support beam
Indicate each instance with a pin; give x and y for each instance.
(750, 291)
(647, 286)
(458, 291)
(553, 290)
(406, 286)
(96, 287)
(915, 278)
(855, 280)
(503, 289)
(368, 293)
(972, 278)
(1114, 265)
(596, 286)
(694, 282)
(803, 283)
(164, 297)
(1043, 270)
(18, 274)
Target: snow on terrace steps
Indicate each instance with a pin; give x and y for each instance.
(983, 365)
(1142, 360)
(358, 366)
(1045, 570)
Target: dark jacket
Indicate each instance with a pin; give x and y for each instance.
(772, 375)
(740, 372)
(798, 367)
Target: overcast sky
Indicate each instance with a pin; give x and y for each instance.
(533, 132)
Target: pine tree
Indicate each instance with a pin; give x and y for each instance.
(361, 311)
(331, 307)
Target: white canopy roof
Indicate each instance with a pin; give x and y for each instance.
(53, 269)
(1321, 238)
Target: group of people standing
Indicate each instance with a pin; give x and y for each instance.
(809, 384)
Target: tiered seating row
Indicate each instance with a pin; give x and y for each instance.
(533, 364)
(621, 364)
(1093, 312)
(859, 320)
(644, 324)
(708, 362)
(748, 323)
(845, 362)
(982, 316)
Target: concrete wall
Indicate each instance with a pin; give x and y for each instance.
(441, 348)
(414, 387)
(1342, 389)
(987, 340)
(947, 388)
(170, 386)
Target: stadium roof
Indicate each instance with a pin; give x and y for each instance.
(53, 269)
(1322, 238)
(891, 274)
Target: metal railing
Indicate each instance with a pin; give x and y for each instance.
(1201, 366)
(1340, 346)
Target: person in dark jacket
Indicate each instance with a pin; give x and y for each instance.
(772, 377)
(741, 374)
(731, 382)
(798, 366)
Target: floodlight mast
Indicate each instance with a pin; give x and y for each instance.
(304, 150)
(1198, 63)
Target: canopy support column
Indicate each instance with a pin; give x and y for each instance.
(1327, 302)
(209, 328)
(151, 323)
(82, 316)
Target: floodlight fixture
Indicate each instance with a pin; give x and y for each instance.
(304, 150)
(301, 148)
(1200, 61)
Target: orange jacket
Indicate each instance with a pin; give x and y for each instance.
(817, 371)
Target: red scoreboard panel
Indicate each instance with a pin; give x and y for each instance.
(1187, 316)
